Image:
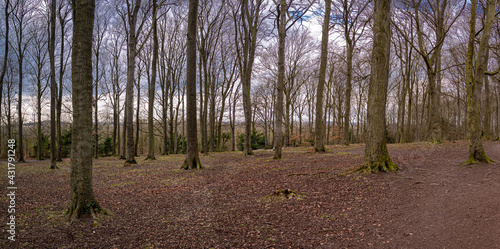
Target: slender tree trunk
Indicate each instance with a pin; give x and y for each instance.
(53, 86)
(347, 115)
(487, 102)
(137, 116)
(475, 81)
(152, 87)
(318, 130)
(376, 154)
(192, 157)
(82, 194)
(20, 146)
(5, 60)
(281, 20)
(124, 136)
(62, 66)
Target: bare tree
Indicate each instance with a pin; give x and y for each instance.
(82, 194)
(21, 22)
(152, 85)
(475, 80)
(351, 17)
(319, 145)
(376, 155)
(247, 21)
(5, 56)
(53, 86)
(192, 158)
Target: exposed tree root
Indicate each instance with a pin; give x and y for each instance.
(384, 166)
(192, 163)
(129, 162)
(150, 158)
(82, 208)
(478, 157)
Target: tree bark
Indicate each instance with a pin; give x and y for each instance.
(82, 195)
(475, 82)
(129, 90)
(281, 21)
(376, 154)
(53, 86)
(152, 87)
(192, 157)
(5, 59)
(319, 145)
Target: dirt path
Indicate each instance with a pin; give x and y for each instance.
(438, 204)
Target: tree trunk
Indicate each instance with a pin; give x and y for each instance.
(62, 66)
(487, 102)
(376, 154)
(152, 87)
(347, 114)
(53, 86)
(475, 81)
(82, 195)
(137, 116)
(192, 157)
(319, 145)
(129, 91)
(20, 146)
(5, 60)
(281, 20)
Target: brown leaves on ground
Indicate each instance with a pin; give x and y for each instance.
(431, 202)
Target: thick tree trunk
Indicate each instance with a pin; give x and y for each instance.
(376, 154)
(192, 157)
(129, 90)
(319, 145)
(82, 195)
(475, 82)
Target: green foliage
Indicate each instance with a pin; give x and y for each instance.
(258, 140)
(66, 143)
(388, 138)
(45, 146)
(106, 146)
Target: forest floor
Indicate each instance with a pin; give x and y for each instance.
(432, 202)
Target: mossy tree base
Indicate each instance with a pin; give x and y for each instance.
(478, 156)
(81, 208)
(192, 163)
(150, 158)
(383, 166)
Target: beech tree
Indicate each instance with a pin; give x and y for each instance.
(152, 85)
(192, 158)
(319, 145)
(247, 21)
(5, 57)
(53, 86)
(376, 154)
(82, 194)
(475, 79)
